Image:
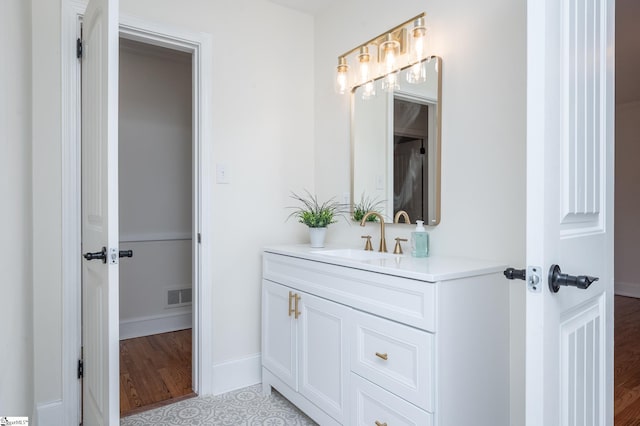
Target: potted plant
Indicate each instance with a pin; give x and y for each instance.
(364, 206)
(316, 215)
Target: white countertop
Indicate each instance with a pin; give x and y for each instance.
(432, 269)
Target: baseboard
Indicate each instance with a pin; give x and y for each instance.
(627, 289)
(49, 414)
(236, 374)
(146, 326)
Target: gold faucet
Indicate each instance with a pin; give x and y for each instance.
(401, 213)
(383, 243)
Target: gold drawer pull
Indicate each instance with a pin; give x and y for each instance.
(385, 357)
(290, 308)
(380, 424)
(297, 312)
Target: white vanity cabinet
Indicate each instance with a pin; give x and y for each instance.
(305, 344)
(395, 341)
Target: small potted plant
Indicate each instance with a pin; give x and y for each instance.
(364, 206)
(316, 215)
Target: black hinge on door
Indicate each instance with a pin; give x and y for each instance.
(79, 48)
(80, 369)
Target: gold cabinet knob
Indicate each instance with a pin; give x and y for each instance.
(380, 424)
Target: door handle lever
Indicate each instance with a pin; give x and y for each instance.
(513, 274)
(557, 279)
(102, 255)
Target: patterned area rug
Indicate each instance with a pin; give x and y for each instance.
(244, 407)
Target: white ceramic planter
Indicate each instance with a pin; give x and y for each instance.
(317, 235)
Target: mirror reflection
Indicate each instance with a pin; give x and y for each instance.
(395, 140)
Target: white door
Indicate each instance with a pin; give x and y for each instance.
(570, 141)
(100, 334)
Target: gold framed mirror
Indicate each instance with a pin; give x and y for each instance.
(396, 146)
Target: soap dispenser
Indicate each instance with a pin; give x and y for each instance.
(419, 241)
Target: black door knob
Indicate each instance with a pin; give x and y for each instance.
(557, 279)
(102, 255)
(513, 274)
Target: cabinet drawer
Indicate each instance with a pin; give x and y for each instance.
(375, 406)
(397, 357)
(405, 300)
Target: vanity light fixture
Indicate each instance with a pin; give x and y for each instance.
(389, 52)
(404, 46)
(365, 73)
(417, 72)
(342, 76)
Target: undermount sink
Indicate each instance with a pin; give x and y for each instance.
(354, 254)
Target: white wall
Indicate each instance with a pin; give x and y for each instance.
(155, 174)
(483, 46)
(16, 326)
(627, 208)
(263, 131)
(262, 75)
(47, 201)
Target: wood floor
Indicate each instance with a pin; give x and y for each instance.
(627, 361)
(155, 371)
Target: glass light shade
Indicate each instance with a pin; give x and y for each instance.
(342, 76)
(418, 41)
(369, 90)
(365, 65)
(390, 82)
(417, 73)
(389, 52)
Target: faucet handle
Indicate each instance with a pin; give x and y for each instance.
(367, 245)
(398, 248)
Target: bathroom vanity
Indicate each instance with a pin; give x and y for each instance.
(367, 338)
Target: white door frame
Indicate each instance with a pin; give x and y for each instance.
(200, 46)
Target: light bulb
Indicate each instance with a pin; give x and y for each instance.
(342, 77)
(417, 73)
(418, 41)
(364, 60)
(389, 50)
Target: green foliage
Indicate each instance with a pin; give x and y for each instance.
(313, 213)
(364, 206)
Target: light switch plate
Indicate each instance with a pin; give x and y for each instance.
(222, 173)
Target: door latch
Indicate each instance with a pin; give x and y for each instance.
(531, 275)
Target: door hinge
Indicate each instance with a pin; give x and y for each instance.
(79, 48)
(80, 369)
(199, 238)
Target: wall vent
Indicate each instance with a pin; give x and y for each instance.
(178, 297)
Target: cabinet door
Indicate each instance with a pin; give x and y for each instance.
(278, 333)
(323, 354)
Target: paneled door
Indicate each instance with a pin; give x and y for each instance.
(570, 159)
(100, 335)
